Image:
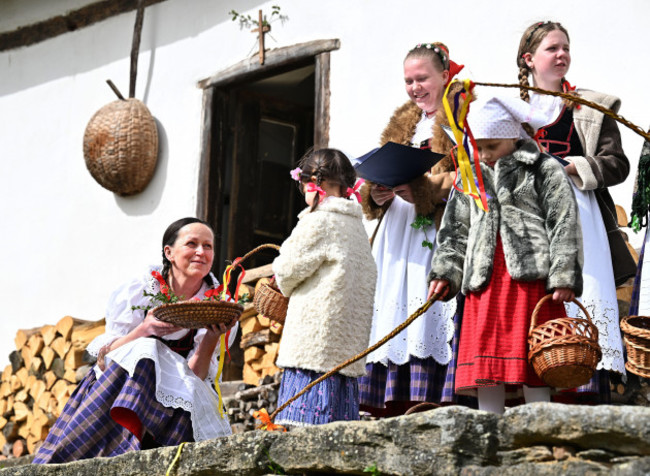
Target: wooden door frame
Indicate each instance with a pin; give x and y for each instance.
(249, 70)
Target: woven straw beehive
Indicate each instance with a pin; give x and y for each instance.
(121, 146)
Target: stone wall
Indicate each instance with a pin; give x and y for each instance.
(539, 439)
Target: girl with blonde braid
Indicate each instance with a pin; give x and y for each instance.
(591, 144)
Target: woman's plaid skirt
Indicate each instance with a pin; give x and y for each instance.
(112, 415)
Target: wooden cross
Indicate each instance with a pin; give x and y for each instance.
(262, 29)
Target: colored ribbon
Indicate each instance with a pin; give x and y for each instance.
(266, 423)
(164, 288)
(222, 357)
(224, 295)
(312, 187)
(355, 190)
(454, 69)
(473, 187)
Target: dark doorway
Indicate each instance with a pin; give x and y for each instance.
(271, 123)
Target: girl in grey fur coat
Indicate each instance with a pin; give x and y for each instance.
(505, 260)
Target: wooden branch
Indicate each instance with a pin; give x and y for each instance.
(322, 106)
(115, 90)
(258, 338)
(254, 274)
(135, 47)
(71, 21)
(83, 334)
(249, 68)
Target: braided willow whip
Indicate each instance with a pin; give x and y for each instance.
(576, 99)
(361, 355)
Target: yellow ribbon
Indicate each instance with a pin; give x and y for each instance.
(464, 163)
(222, 357)
(176, 458)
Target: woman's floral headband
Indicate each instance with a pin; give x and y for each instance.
(443, 54)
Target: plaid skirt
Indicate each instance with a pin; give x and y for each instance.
(393, 389)
(112, 415)
(334, 399)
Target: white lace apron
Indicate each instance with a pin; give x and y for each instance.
(599, 293)
(402, 268)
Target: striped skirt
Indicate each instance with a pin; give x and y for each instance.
(112, 415)
(334, 399)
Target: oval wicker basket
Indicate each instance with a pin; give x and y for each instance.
(121, 146)
(198, 314)
(636, 335)
(270, 302)
(564, 352)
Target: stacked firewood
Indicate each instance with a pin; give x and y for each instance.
(45, 368)
(249, 399)
(260, 341)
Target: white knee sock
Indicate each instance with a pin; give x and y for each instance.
(537, 394)
(492, 399)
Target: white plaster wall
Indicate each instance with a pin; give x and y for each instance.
(67, 242)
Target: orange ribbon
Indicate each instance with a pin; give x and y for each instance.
(266, 423)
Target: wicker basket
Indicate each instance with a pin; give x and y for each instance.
(121, 146)
(636, 335)
(198, 314)
(564, 352)
(270, 302)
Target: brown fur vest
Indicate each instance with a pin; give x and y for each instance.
(431, 190)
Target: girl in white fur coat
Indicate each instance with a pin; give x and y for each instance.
(326, 269)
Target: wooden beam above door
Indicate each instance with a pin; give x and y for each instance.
(249, 68)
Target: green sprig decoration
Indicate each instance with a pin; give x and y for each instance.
(247, 21)
(422, 222)
(641, 197)
(159, 297)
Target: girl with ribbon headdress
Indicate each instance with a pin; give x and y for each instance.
(591, 144)
(326, 269)
(411, 368)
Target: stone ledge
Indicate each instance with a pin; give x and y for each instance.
(531, 439)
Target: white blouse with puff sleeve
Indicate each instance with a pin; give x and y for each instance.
(176, 384)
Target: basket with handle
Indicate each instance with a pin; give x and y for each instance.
(564, 352)
(268, 300)
(636, 335)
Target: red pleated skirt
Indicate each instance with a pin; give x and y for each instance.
(493, 345)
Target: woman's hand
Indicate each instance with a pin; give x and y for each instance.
(405, 193)
(200, 361)
(214, 331)
(380, 194)
(563, 295)
(438, 286)
(154, 327)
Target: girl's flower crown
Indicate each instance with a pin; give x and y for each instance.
(442, 54)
